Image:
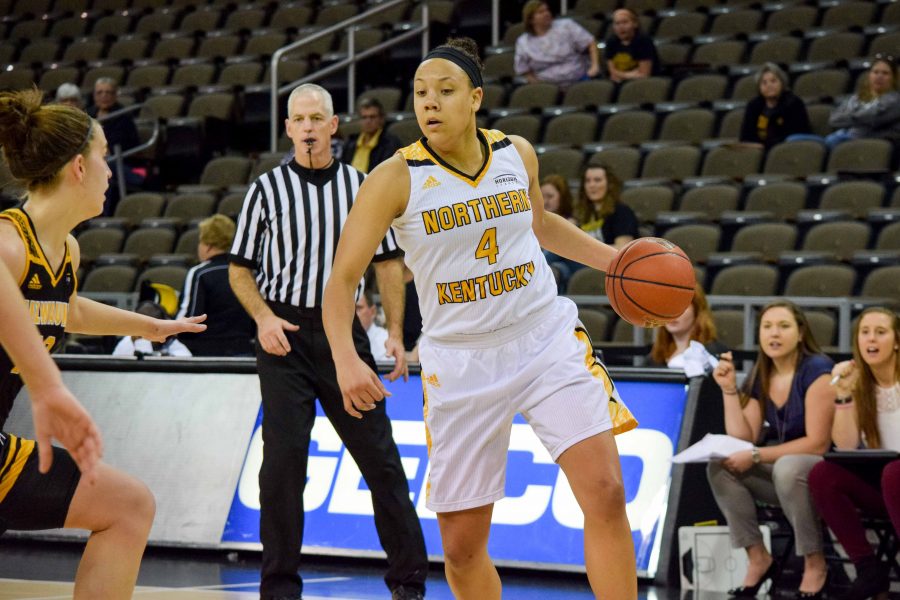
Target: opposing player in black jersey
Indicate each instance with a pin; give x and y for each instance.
(59, 154)
(55, 411)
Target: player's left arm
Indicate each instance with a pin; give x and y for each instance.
(556, 234)
(95, 318)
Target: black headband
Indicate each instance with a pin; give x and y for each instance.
(460, 59)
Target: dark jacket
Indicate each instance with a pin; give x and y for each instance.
(383, 150)
(119, 130)
(786, 118)
(229, 329)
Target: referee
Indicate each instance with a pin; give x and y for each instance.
(287, 233)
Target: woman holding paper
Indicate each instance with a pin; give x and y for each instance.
(788, 390)
(867, 415)
(689, 338)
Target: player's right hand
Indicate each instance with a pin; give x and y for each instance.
(58, 414)
(270, 332)
(360, 386)
(724, 373)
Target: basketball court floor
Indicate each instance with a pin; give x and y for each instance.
(43, 571)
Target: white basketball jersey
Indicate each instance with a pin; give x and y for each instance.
(478, 266)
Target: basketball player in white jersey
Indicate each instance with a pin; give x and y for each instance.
(466, 207)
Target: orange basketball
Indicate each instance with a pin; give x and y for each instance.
(650, 282)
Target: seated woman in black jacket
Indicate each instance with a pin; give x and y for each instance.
(775, 113)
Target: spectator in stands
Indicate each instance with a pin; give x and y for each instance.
(557, 196)
(136, 345)
(775, 113)
(229, 329)
(874, 112)
(686, 342)
(68, 93)
(120, 132)
(867, 415)
(787, 389)
(599, 209)
(366, 311)
(552, 50)
(367, 149)
(629, 53)
(558, 199)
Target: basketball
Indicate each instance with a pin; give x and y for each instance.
(650, 282)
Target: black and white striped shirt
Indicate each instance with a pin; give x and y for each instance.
(289, 228)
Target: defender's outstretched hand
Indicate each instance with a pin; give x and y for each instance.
(165, 329)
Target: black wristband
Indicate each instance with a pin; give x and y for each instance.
(846, 400)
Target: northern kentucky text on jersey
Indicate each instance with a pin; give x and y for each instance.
(48, 312)
(483, 286)
(460, 214)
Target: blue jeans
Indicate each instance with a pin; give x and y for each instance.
(831, 140)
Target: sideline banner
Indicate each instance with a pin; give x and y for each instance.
(537, 524)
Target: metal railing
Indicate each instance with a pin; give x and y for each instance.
(117, 156)
(124, 300)
(750, 306)
(350, 62)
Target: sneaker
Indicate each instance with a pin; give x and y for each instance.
(403, 592)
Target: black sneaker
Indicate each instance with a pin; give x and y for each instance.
(403, 592)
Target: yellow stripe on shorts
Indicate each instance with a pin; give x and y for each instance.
(622, 419)
(427, 432)
(19, 451)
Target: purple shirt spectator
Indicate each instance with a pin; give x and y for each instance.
(558, 56)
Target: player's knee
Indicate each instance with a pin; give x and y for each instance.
(461, 550)
(139, 508)
(606, 497)
(461, 556)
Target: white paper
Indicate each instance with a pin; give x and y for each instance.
(712, 447)
(696, 361)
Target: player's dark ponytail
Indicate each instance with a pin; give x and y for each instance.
(38, 139)
(467, 46)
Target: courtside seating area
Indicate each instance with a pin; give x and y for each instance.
(193, 64)
(796, 220)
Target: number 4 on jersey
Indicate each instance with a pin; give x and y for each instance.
(487, 247)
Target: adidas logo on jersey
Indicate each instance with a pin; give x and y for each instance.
(430, 183)
(35, 283)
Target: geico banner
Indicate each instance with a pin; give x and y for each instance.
(539, 521)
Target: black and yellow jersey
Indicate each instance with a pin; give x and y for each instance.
(46, 293)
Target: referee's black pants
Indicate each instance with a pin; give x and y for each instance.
(290, 384)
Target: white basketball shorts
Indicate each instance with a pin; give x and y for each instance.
(548, 374)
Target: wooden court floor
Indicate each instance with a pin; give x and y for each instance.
(44, 570)
(16, 589)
